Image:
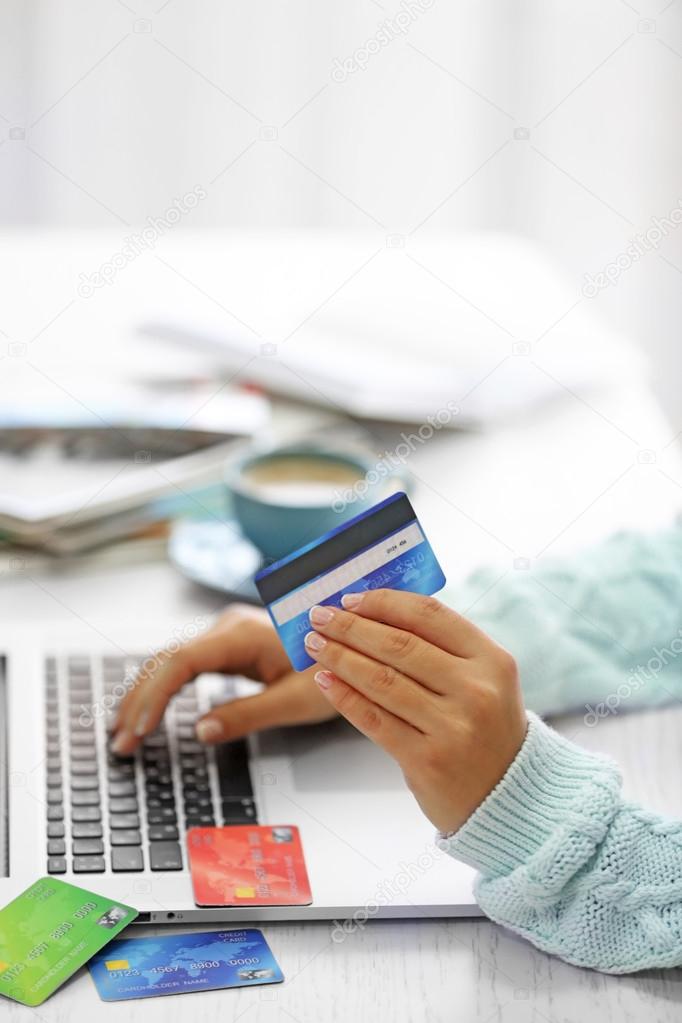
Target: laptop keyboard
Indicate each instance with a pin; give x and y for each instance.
(129, 814)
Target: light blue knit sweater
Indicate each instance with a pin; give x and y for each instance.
(562, 859)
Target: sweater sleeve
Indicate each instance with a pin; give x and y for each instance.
(566, 863)
(598, 632)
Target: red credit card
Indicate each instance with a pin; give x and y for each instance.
(248, 865)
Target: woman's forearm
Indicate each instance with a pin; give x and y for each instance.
(566, 863)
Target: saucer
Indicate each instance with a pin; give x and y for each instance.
(216, 555)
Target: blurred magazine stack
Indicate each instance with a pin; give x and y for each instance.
(75, 476)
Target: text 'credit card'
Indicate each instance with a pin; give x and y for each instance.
(175, 964)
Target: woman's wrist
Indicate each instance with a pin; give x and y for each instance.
(551, 787)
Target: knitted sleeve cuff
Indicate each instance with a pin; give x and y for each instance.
(550, 784)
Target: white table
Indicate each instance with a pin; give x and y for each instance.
(547, 484)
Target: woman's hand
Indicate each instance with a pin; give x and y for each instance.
(429, 687)
(242, 642)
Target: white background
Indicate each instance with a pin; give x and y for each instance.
(109, 109)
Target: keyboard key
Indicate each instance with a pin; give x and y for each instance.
(113, 667)
(183, 717)
(124, 804)
(56, 865)
(195, 809)
(54, 779)
(122, 788)
(56, 847)
(88, 865)
(125, 837)
(87, 829)
(196, 791)
(163, 833)
(84, 783)
(55, 813)
(124, 820)
(156, 741)
(55, 797)
(156, 802)
(165, 856)
(198, 777)
(82, 731)
(55, 829)
(83, 767)
(197, 759)
(78, 664)
(185, 731)
(86, 813)
(88, 847)
(152, 788)
(164, 815)
(204, 820)
(127, 859)
(185, 704)
(83, 739)
(153, 757)
(232, 761)
(89, 798)
(121, 773)
(83, 753)
(187, 746)
(80, 702)
(238, 811)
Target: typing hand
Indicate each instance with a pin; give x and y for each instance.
(242, 642)
(429, 687)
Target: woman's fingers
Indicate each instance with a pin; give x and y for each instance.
(424, 616)
(381, 684)
(382, 727)
(231, 645)
(292, 701)
(397, 648)
(143, 708)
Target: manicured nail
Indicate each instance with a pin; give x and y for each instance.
(209, 730)
(141, 724)
(120, 743)
(324, 679)
(351, 600)
(314, 641)
(320, 615)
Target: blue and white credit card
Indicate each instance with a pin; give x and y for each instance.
(382, 547)
(176, 963)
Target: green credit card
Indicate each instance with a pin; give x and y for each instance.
(50, 931)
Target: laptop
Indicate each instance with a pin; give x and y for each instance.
(117, 826)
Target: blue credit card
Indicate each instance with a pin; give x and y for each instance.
(176, 963)
(382, 547)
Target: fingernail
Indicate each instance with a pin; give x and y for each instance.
(351, 600)
(121, 741)
(320, 615)
(209, 730)
(141, 725)
(314, 641)
(324, 679)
